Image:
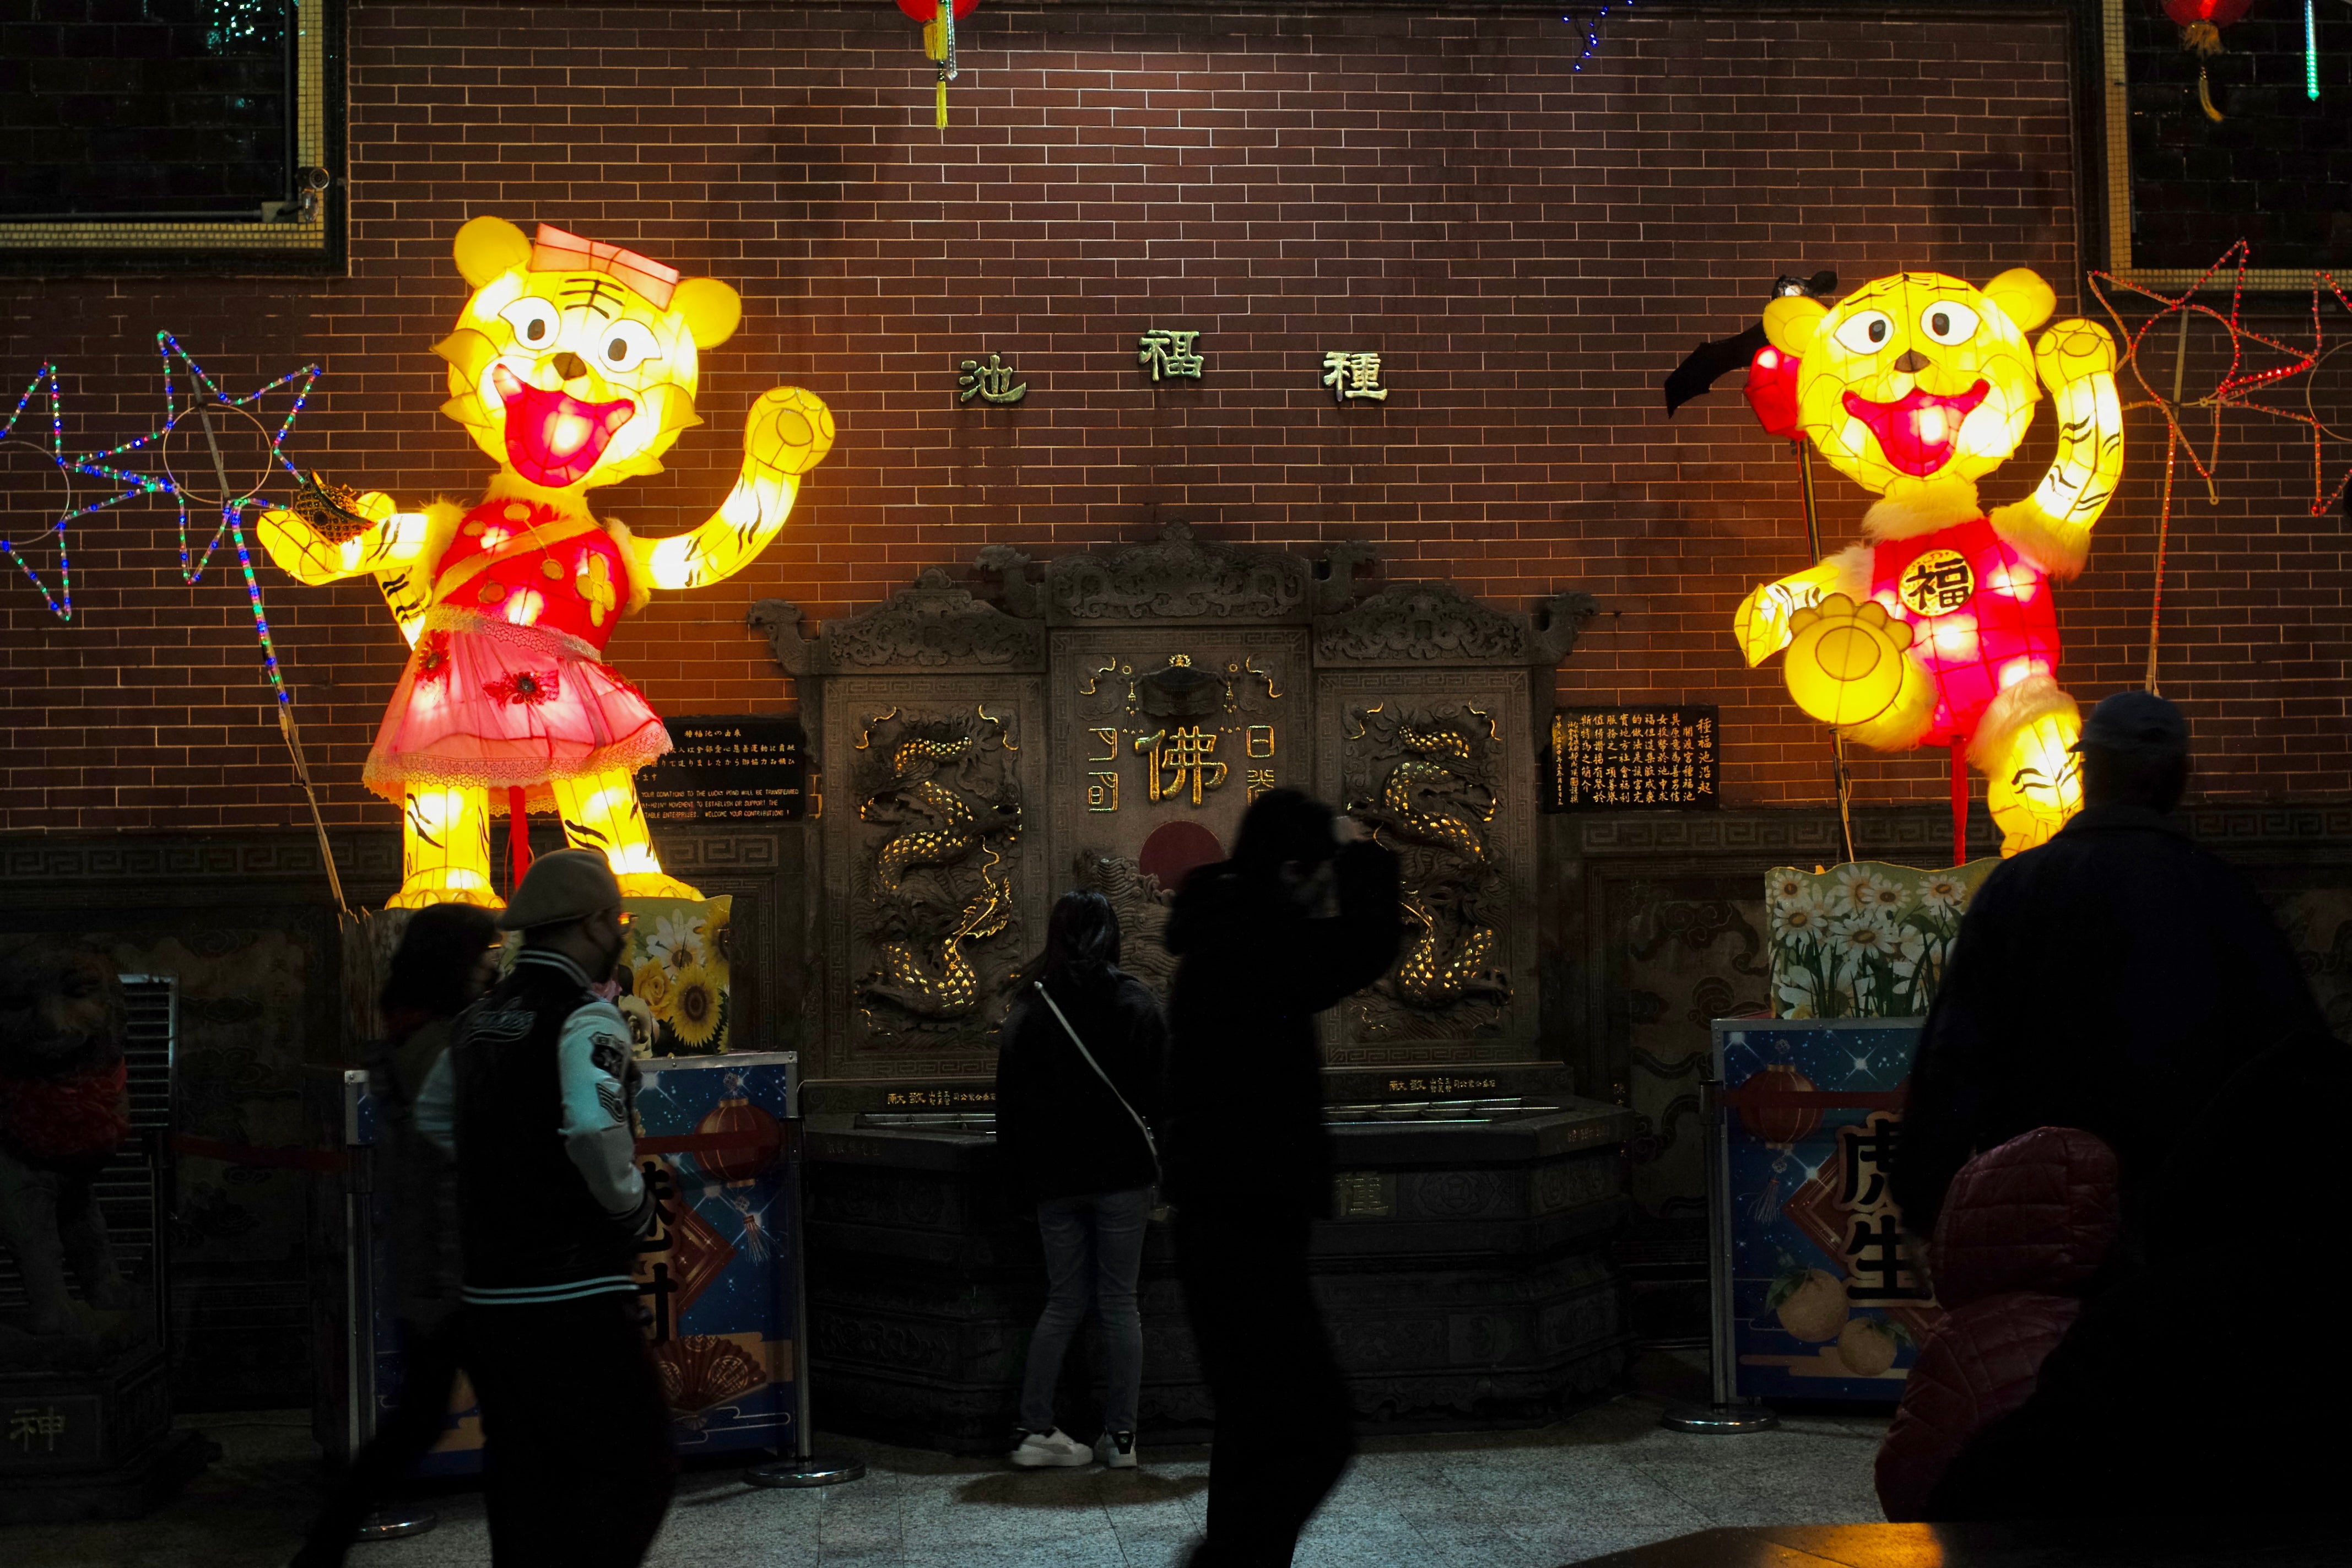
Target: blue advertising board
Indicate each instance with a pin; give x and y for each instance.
(1825, 1299)
(718, 1145)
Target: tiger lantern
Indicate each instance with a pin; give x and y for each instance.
(572, 366)
(1940, 631)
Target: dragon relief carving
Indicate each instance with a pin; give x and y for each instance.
(943, 788)
(1178, 576)
(1425, 781)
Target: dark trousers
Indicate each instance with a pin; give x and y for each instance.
(428, 1370)
(576, 1439)
(1284, 1426)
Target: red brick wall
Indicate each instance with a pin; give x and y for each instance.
(1530, 247)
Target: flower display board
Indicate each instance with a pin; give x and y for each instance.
(676, 976)
(1865, 940)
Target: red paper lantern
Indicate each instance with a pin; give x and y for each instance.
(1778, 1125)
(928, 11)
(754, 1138)
(2187, 12)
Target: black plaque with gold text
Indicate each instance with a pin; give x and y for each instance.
(1615, 759)
(728, 767)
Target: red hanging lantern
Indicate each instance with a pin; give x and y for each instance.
(938, 20)
(1780, 1126)
(753, 1137)
(2201, 23)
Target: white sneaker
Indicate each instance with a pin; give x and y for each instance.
(1039, 1449)
(1117, 1450)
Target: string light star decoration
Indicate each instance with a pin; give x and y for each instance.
(192, 467)
(1591, 30)
(2235, 389)
(53, 451)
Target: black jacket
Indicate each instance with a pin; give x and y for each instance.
(1245, 1085)
(2107, 980)
(1061, 1129)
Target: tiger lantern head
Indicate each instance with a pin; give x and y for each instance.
(574, 364)
(1915, 380)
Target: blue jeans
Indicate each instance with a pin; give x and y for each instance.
(1094, 1249)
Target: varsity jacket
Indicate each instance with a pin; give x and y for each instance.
(533, 1097)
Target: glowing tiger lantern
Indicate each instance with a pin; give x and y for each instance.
(574, 365)
(1941, 631)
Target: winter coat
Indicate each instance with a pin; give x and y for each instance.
(1061, 1129)
(2024, 1231)
(2141, 1411)
(2100, 981)
(1245, 1084)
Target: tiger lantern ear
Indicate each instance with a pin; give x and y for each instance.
(712, 311)
(488, 246)
(2022, 297)
(1791, 321)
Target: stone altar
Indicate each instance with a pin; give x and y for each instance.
(1104, 720)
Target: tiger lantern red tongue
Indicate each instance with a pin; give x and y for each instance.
(1918, 430)
(552, 438)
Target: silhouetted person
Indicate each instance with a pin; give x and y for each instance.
(1248, 1161)
(1077, 1081)
(2121, 980)
(2106, 980)
(535, 1097)
(447, 957)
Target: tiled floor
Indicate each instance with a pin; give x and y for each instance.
(1608, 1479)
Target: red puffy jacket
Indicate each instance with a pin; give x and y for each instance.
(2024, 1229)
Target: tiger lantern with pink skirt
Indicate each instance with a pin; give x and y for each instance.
(572, 366)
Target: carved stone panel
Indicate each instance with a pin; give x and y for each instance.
(934, 888)
(1414, 623)
(1443, 763)
(1161, 737)
(1177, 577)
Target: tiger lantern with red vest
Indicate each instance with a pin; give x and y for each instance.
(574, 365)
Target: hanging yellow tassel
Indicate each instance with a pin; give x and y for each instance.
(939, 103)
(938, 46)
(2204, 99)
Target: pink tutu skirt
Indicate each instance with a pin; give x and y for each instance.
(496, 706)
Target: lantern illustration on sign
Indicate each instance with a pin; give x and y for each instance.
(939, 19)
(753, 1141)
(1941, 630)
(1777, 1127)
(2201, 23)
(572, 366)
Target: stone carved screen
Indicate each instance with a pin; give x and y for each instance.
(1441, 762)
(935, 890)
(1161, 736)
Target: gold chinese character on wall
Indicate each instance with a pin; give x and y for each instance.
(1167, 354)
(1351, 374)
(990, 380)
(1102, 793)
(1180, 758)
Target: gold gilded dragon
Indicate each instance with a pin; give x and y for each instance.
(924, 967)
(1435, 811)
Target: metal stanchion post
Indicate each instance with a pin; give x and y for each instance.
(804, 1467)
(1726, 1412)
(394, 1518)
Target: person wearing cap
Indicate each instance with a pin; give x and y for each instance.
(2103, 980)
(534, 1099)
(2121, 980)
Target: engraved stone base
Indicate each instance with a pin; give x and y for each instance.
(1468, 1283)
(91, 1445)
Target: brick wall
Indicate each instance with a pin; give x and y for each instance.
(1529, 248)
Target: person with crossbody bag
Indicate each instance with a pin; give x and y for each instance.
(1078, 1080)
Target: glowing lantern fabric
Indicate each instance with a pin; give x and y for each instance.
(574, 365)
(1942, 630)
